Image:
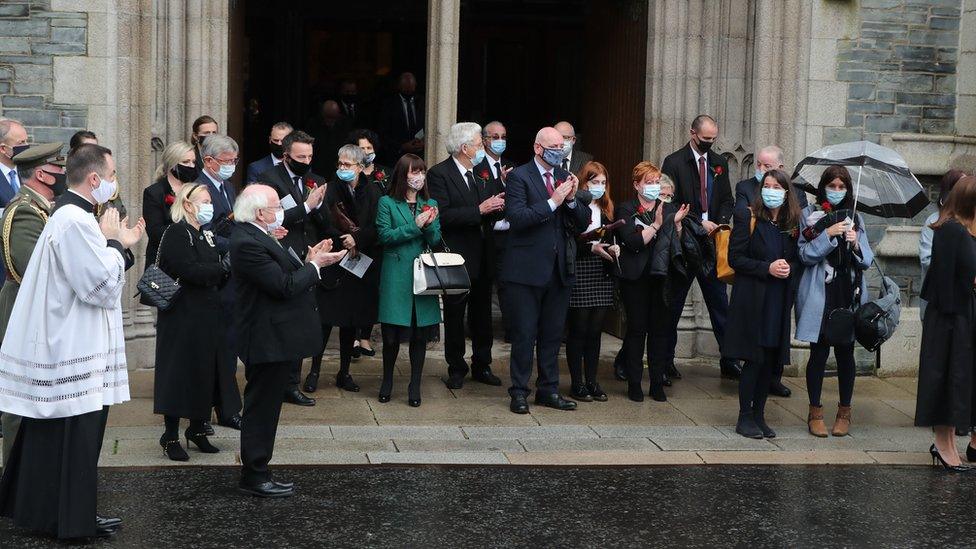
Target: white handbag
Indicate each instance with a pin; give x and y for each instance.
(440, 273)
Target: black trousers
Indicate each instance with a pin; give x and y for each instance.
(50, 484)
(538, 318)
(227, 395)
(583, 343)
(477, 304)
(715, 293)
(501, 240)
(347, 338)
(648, 320)
(263, 394)
(754, 383)
(846, 371)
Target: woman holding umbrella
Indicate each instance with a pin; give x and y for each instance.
(835, 252)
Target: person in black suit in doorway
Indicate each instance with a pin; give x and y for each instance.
(574, 159)
(275, 152)
(277, 322)
(546, 215)
(401, 120)
(467, 201)
(495, 138)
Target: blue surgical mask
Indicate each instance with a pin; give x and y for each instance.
(759, 174)
(553, 157)
(226, 171)
(204, 213)
(479, 155)
(346, 175)
(773, 198)
(567, 147)
(498, 146)
(651, 191)
(836, 197)
(597, 191)
(370, 157)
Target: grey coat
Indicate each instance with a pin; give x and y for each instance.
(812, 294)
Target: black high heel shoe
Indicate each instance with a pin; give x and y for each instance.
(384, 398)
(311, 382)
(413, 396)
(970, 453)
(937, 459)
(173, 450)
(201, 442)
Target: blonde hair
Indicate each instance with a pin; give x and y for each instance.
(666, 181)
(176, 211)
(172, 155)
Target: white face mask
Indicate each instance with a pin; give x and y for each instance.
(416, 182)
(279, 219)
(567, 147)
(105, 191)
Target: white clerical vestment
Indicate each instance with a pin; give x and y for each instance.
(64, 351)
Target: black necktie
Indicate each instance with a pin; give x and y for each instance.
(470, 179)
(412, 115)
(566, 164)
(298, 185)
(498, 170)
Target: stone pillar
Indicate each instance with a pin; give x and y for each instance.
(966, 72)
(443, 31)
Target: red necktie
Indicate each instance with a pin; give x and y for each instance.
(704, 185)
(549, 186)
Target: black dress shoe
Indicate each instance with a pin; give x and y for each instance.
(634, 392)
(453, 382)
(367, 352)
(596, 392)
(519, 405)
(414, 402)
(760, 420)
(174, 450)
(486, 377)
(346, 383)
(268, 489)
(234, 422)
(104, 532)
(284, 484)
(730, 369)
(295, 396)
(384, 398)
(666, 381)
(107, 522)
(357, 351)
(580, 393)
(657, 393)
(619, 371)
(208, 428)
(746, 426)
(555, 400)
(671, 371)
(776, 388)
(311, 382)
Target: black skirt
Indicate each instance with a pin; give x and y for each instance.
(346, 300)
(50, 484)
(945, 371)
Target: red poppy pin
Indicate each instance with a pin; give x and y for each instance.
(309, 184)
(483, 175)
(169, 199)
(826, 206)
(718, 171)
(379, 175)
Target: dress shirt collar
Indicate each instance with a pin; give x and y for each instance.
(461, 167)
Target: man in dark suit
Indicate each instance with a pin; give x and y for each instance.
(701, 179)
(278, 133)
(467, 202)
(546, 215)
(496, 140)
(220, 154)
(574, 158)
(277, 322)
(767, 159)
(330, 130)
(349, 101)
(401, 118)
(301, 193)
(13, 139)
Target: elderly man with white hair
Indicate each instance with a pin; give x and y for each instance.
(277, 324)
(469, 203)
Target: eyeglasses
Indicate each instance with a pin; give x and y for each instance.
(273, 208)
(232, 162)
(346, 165)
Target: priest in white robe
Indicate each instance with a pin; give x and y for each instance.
(62, 362)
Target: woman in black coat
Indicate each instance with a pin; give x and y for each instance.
(345, 300)
(189, 335)
(178, 167)
(946, 358)
(643, 293)
(767, 272)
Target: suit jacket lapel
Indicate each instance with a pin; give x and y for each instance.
(461, 184)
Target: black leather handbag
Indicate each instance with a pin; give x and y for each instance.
(156, 288)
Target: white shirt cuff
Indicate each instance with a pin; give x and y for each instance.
(552, 205)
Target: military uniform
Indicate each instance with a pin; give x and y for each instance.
(114, 202)
(21, 225)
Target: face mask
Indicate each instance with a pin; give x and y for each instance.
(275, 150)
(104, 191)
(204, 213)
(567, 147)
(17, 149)
(298, 168)
(759, 174)
(60, 184)
(416, 183)
(666, 199)
(370, 157)
(836, 197)
(226, 171)
(279, 219)
(597, 191)
(704, 146)
(651, 191)
(186, 174)
(346, 175)
(479, 155)
(498, 146)
(553, 157)
(773, 198)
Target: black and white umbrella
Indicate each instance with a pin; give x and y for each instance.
(883, 184)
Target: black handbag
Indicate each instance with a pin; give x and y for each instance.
(156, 288)
(838, 326)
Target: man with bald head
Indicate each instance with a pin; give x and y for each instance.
(401, 120)
(495, 137)
(277, 325)
(546, 214)
(575, 159)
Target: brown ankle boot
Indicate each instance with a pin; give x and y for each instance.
(815, 422)
(842, 425)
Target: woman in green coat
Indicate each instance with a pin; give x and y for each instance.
(406, 225)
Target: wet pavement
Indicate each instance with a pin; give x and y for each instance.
(380, 506)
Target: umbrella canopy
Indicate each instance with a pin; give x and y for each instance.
(883, 184)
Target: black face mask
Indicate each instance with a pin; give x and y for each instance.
(298, 168)
(17, 149)
(276, 150)
(60, 184)
(703, 146)
(186, 174)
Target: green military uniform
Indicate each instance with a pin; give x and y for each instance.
(114, 202)
(20, 227)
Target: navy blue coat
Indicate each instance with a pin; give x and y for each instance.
(258, 167)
